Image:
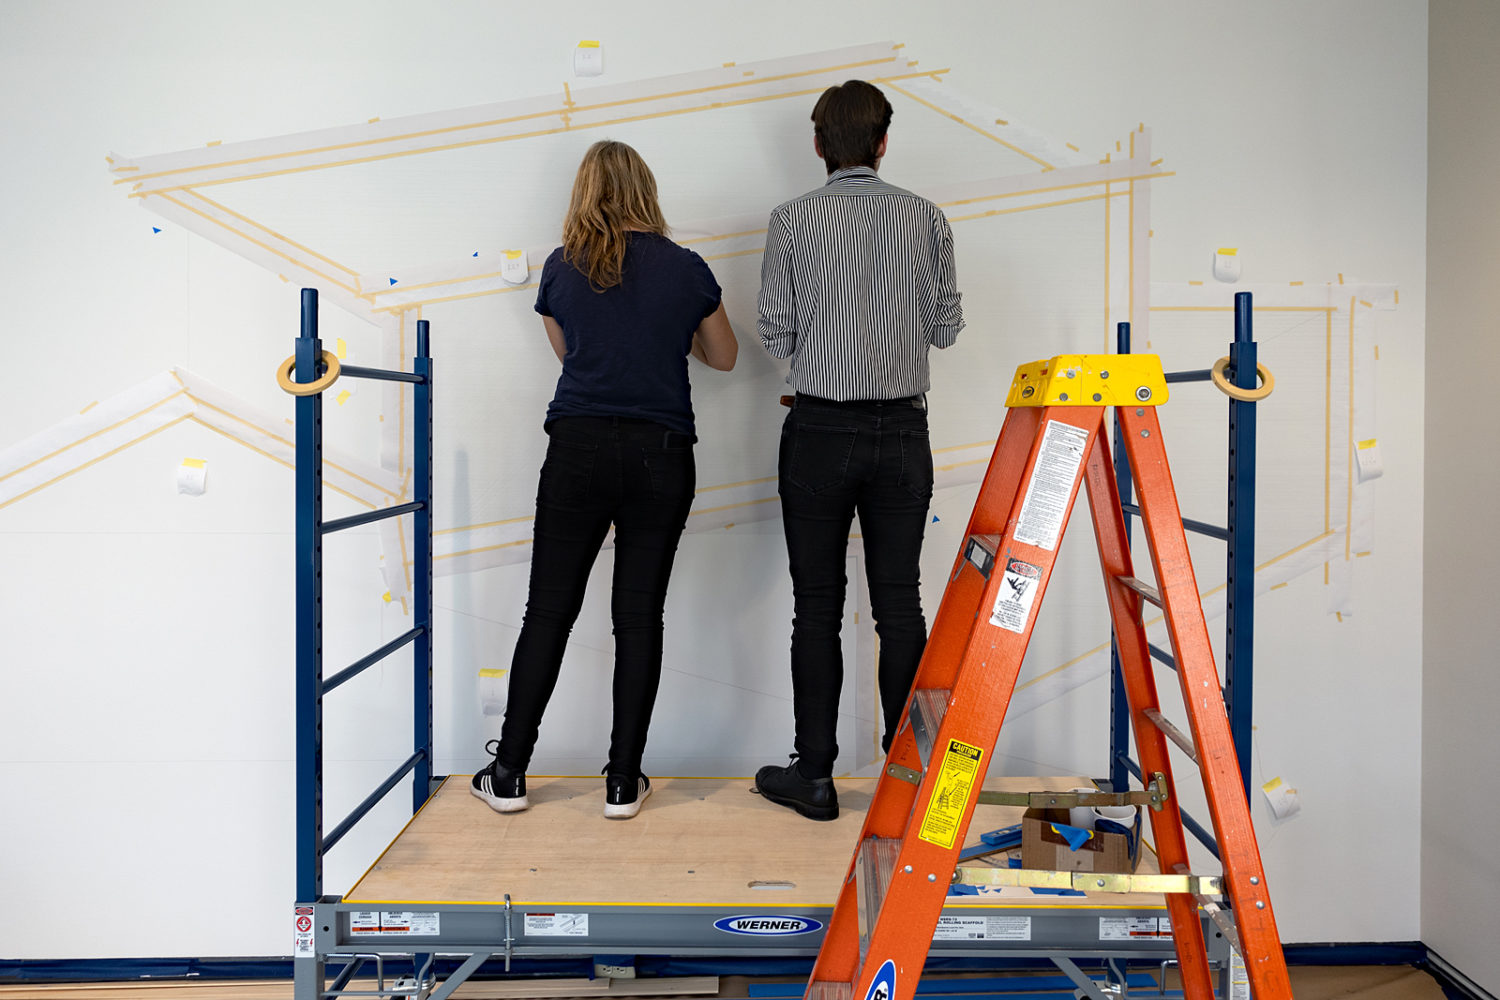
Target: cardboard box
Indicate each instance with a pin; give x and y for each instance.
(1106, 851)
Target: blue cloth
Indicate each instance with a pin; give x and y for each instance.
(627, 346)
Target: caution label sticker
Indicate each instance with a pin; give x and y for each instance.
(957, 776)
(1018, 590)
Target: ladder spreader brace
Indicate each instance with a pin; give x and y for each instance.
(1053, 441)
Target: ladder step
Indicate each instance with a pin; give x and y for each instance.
(1172, 733)
(877, 863)
(822, 989)
(980, 552)
(928, 706)
(1150, 593)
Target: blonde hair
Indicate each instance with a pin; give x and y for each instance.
(613, 193)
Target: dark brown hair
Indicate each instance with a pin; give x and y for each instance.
(849, 121)
(614, 192)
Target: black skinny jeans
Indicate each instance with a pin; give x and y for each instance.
(639, 475)
(873, 458)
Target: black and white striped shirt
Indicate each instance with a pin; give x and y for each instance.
(856, 284)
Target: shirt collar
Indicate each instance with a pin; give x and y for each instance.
(847, 172)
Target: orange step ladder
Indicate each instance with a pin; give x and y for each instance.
(1053, 439)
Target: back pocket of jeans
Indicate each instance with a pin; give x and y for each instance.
(819, 456)
(567, 473)
(916, 464)
(671, 472)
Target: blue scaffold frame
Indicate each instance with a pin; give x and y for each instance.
(1238, 534)
(311, 685)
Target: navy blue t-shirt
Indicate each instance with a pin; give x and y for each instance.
(627, 346)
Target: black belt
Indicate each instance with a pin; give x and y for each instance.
(915, 402)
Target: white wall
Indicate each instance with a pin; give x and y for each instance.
(147, 636)
(1460, 745)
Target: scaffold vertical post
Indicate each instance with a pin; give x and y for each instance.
(1239, 618)
(308, 969)
(1119, 704)
(422, 552)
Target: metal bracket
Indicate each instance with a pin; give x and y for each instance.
(1154, 795)
(1036, 878)
(509, 937)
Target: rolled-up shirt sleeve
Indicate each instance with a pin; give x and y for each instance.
(948, 317)
(777, 303)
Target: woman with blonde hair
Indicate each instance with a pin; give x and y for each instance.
(623, 307)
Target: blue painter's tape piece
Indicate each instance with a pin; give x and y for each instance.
(963, 890)
(476, 253)
(935, 519)
(393, 281)
(155, 229)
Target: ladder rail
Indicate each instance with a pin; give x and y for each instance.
(1198, 678)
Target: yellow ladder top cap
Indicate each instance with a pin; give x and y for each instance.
(1090, 380)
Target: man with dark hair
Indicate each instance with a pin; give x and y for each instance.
(857, 284)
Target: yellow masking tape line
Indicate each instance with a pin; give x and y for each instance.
(1077, 150)
(376, 293)
(1054, 187)
(278, 460)
(1327, 428)
(988, 135)
(959, 465)
(1283, 309)
(493, 672)
(1349, 502)
(730, 486)
(1367, 305)
(1044, 204)
(490, 123)
(285, 239)
(90, 437)
(289, 443)
(588, 45)
(88, 408)
(1361, 555)
(477, 527)
(1367, 443)
(194, 463)
(196, 185)
(1278, 586)
(725, 236)
(406, 307)
(260, 243)
(733, 506)
(405, 563)
(85, 465)
(735, 253)
(1228, 251)
(487, 548)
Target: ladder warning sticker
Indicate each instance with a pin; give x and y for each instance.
(956, 778)
(557, 925)
(1017, 592)
(1046, 505)
(302, 936)
(982, 929)
(396, 923)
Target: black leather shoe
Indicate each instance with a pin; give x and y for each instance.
(814, 798)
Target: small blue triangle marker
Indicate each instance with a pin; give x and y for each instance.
(935, 519)
(155, 229)
(476, 253)
(393, 281)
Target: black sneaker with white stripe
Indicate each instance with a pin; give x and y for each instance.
(500, 788)
(623, 797)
